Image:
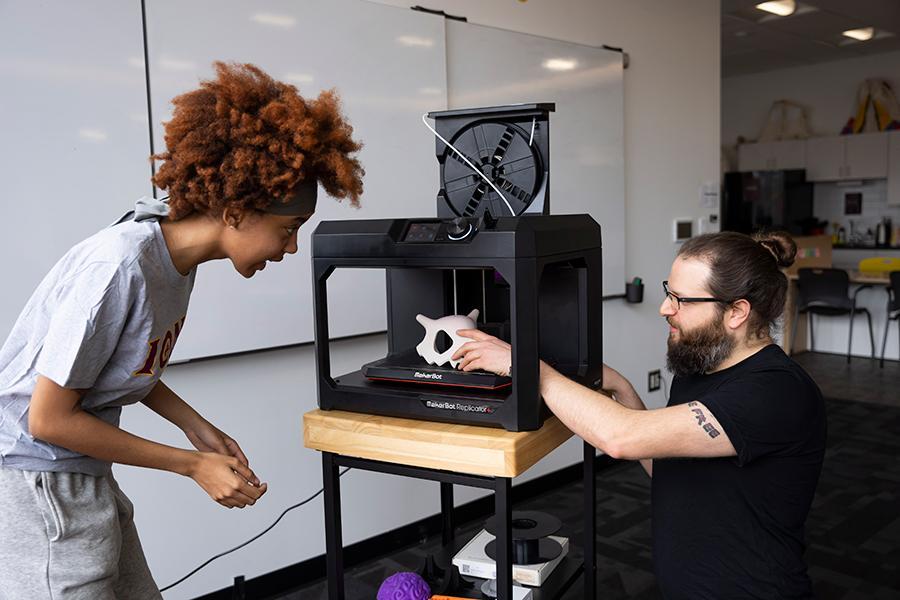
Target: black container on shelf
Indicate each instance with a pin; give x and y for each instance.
(634, 291)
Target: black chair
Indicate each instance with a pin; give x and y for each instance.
(826, 292)
(893, 310)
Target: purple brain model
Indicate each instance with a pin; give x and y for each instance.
(404, 586)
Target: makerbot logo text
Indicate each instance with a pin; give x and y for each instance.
(446, 405)
(420, 375)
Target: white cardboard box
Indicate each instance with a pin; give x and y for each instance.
(474, 562)
(522, 593)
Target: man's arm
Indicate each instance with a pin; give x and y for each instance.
(55, 415)
(625, 394)
(687, 430)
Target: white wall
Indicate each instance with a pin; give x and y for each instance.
(671, 148)
(827, 89)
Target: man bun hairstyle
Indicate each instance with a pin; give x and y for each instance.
(749, 268)
(242, 140)
(780, 244)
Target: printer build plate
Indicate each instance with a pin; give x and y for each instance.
(409, 367)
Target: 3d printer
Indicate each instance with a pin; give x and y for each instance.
(535, 278)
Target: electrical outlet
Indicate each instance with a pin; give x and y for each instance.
(653, 378)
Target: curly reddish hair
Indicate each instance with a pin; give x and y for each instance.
(244, 139)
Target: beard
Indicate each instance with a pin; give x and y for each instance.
(701, 350)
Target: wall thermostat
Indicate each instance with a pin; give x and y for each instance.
(682, 230)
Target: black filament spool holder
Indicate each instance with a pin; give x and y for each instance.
(531, 543)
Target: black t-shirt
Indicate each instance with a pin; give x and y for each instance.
(733, 527)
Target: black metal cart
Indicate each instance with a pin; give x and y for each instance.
(340, 450)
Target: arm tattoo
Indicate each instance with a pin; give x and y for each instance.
(701, 420)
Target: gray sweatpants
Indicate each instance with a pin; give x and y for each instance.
(69, 536)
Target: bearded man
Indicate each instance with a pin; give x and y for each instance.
(736, 455)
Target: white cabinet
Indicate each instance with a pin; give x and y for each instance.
(867, 156)
(824, 158)
(752, 158)
(789, 154)
(772, 156)
(893, 176)
(831, 158)
(859, 156)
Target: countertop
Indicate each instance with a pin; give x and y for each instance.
(864, 247)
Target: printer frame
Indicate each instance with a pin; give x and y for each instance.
(521, 262)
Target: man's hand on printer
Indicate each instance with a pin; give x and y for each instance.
(488, 353)
(621, 390)
(485, 353)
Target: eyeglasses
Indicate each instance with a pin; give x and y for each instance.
(677, 301)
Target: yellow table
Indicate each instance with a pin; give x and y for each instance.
(451, 454)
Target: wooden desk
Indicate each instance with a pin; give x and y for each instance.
(790, 304)
(480, 457)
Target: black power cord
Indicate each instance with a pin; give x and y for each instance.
(255, 537)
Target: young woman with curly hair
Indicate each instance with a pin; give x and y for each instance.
(244, 157)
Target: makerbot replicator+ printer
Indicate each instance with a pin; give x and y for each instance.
(535, 278)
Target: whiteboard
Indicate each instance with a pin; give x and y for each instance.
(73, 132)
(74, 117)
(388, 65)
(488, 66)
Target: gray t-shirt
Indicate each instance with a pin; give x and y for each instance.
(105, 319)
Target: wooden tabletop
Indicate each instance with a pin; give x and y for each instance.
(458, 448)
(870, 277)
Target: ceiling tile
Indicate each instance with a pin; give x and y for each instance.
(729, 6)
(753, 41)
(884, 14)
(756, 62)
(890, 44)
(818, 24)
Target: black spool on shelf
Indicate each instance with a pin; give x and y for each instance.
(531, 543)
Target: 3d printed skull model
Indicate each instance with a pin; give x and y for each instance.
(449, 325)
